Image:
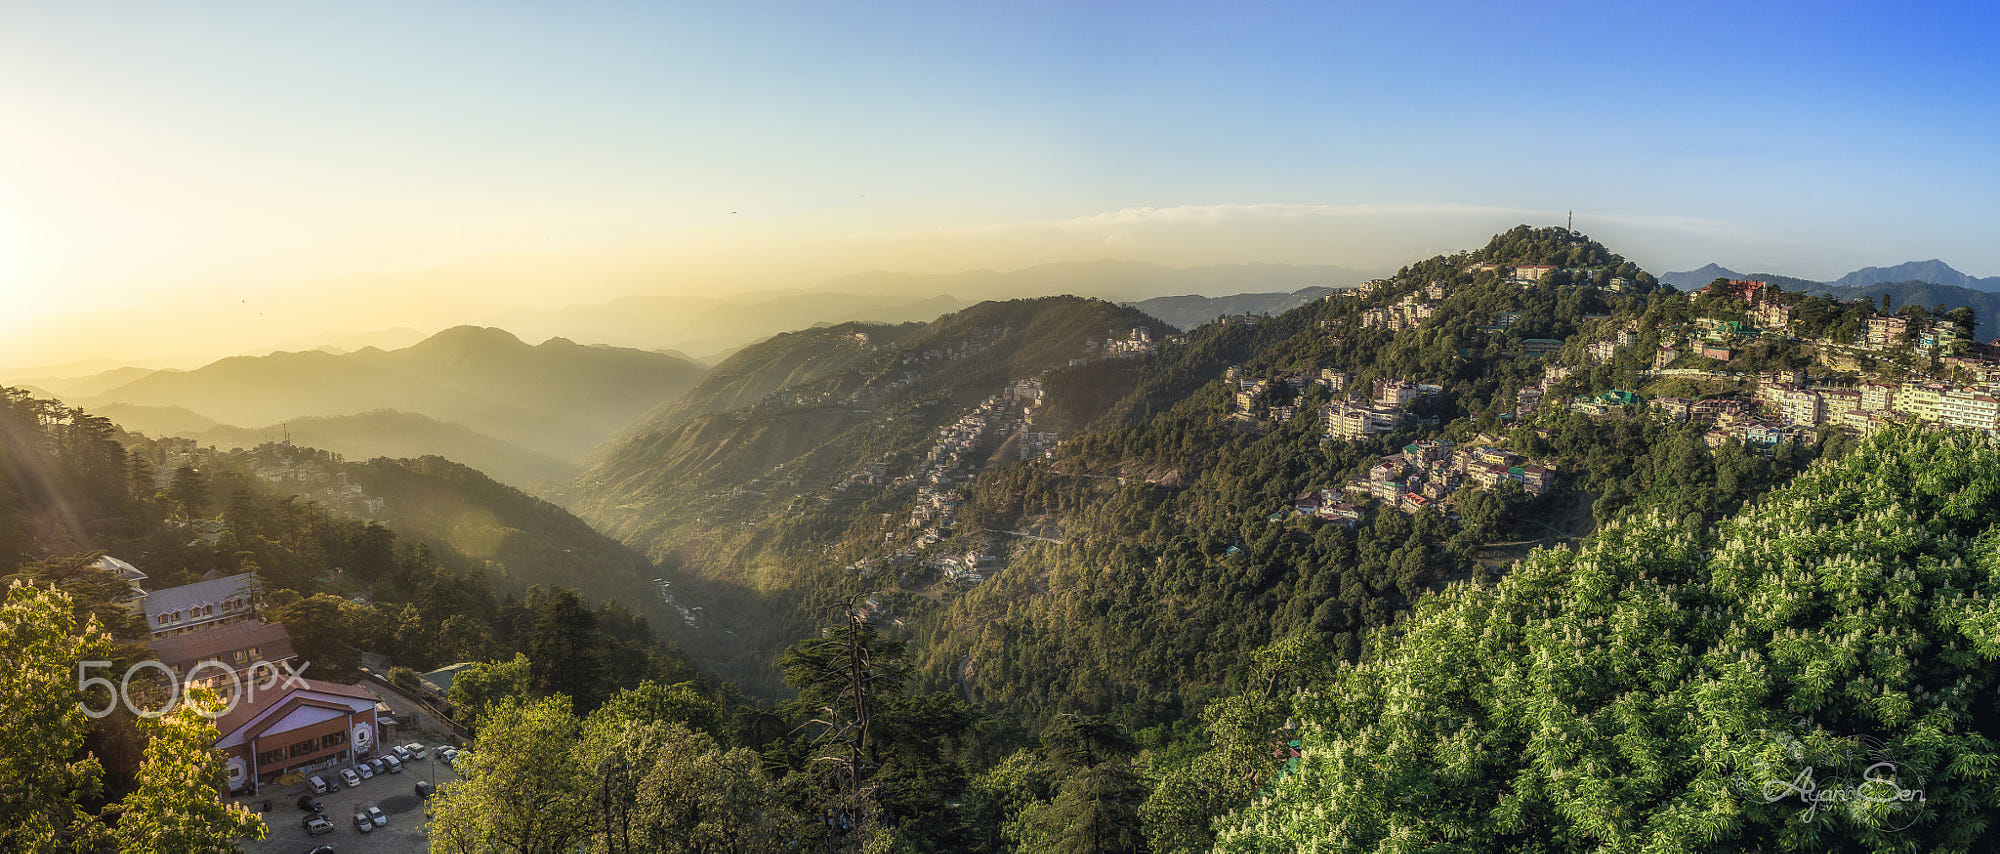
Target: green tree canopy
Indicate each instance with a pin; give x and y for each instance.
(178, 807)
(43, 769)
(1651, 691)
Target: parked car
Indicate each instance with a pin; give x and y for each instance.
(364, 769)
(310, 803)
(395, 765)
(362, 823)
(402, 751)
(417, 750)
(424, 789)
(319, 785)
(380, 766)
(316, 824)
(348, 776)
(323, 849)
(375, 813)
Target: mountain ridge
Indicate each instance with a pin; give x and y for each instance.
(557, 398)
(1186, 311)
(1933, 271)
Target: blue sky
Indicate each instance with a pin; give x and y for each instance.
(191, 152)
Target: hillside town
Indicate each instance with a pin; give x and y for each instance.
(1895, 367)
(1914, 365)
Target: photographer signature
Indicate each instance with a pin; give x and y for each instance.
(1878, 786)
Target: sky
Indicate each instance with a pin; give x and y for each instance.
(179, 181)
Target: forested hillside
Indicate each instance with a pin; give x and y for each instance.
(1044, 575)
(753, 373)
(557, 398)
(1160, 612)
(392, 434)
(341, 586)
(1668, 689)
(1130, 568)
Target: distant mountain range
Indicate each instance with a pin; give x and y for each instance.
(712, 327)
(1192, 310)
(1933, 272)
(1928, 283)
(709, 328)
(1108, 280)
(466, 388)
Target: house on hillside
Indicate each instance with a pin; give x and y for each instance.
(213, 602)
(226, 658)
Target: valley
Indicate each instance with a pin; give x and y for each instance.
(1065, 519)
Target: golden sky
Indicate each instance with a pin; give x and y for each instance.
(182, 183)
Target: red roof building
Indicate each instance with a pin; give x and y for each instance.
(1748, 290)
(302, 725)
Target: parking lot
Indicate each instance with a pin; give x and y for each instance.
(395, 794)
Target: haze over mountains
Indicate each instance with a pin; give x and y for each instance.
(1062, 510)
(478, 395)
(1192, 310)
(360, 436)
(524, 414)
(711, 327)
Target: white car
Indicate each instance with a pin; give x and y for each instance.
(375, 814)
(348, 776)
(365, 770)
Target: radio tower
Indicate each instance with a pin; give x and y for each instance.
(1572, 222)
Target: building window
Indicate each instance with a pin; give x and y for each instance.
(271, 757)
(163, 618)
(332, 740)
(305, 748)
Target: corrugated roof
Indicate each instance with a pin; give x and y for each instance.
(443, 676)
(249, 710)
(187, 596)
(273, 643)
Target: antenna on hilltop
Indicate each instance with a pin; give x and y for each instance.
(1572, 222)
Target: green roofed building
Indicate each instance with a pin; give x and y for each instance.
(1620, 398)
